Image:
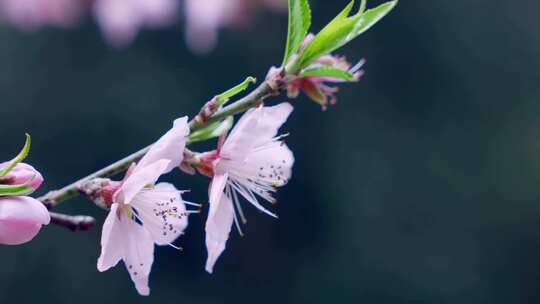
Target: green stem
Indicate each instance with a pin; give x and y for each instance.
(55, 197)
(263, 91)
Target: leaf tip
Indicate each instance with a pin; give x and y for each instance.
(251, 79)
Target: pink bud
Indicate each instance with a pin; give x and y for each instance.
(21, 218)
(101, 191)
(22, 174)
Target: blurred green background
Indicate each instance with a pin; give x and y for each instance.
(420, 186)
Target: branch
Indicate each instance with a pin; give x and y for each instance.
(266, 89)
(55, 197)
(73, 223)
(258, 95)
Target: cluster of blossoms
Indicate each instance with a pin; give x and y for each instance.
(250, 162)
(120, 20)
(21, 216)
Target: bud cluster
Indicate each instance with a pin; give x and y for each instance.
(21, 216)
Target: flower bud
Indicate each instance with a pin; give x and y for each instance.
(22, 174)
(315, 79)
(101, 191)
(21, 218)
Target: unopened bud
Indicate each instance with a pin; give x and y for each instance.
(22, 174)
(101, 191)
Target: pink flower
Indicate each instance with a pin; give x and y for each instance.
(251, 162)
(120, 20)
(21, 218)
(143, 213)
(22, 174)
(204, 18)
(33, 14)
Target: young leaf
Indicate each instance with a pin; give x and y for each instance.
(323, 40)
(372, 16)
(212, 130)
(343, 14)
(330, 38)
(19, 158)
(341, 30)
(223, 97)
(15, 190)
(362, 7)
(326, 71)
(299, 22)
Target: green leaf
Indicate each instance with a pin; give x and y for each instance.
(19, 158)
(299, 23)
(344, 13)
(341, 30)
(362, 7)
(329, 39)
(211, 130)
(15, 190)
(372, 16)
(325, 40)
(224, 97)
(320, 70)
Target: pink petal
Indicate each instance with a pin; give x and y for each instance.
(203, 19)
(162, 212)
(118, 20)
(218, 228)
(140, 178)
(170, 146)
(32, 14)
(21, 219)
(158, 13)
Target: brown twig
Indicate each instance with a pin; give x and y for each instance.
(73, 222)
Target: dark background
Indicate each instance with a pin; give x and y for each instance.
(421, 186)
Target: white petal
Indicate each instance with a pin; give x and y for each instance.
(140, 178)
(122, 238)
(111, 241)
(273, 164)
(138, 253)
(162, 212)
(170, 146)
(218, 228)
(216, 192)
(247, 188)
(256, 127)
